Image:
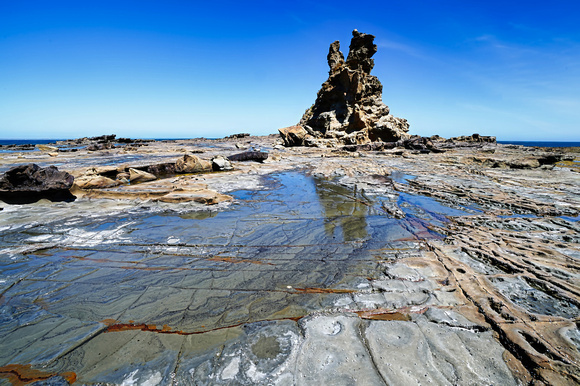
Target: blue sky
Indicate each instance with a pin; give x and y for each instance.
(154, 69)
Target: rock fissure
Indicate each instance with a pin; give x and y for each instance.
(375, 364)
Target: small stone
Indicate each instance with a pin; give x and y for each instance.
(220, 163)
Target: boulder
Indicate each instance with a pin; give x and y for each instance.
(47, 148)
(161, 169)
(220, 163)
(29, 183)
(136, 175)
(293, 135)
(348, 109)
(95, 181)
(258, 156)
(190, 163)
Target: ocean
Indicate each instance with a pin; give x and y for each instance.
(542, 143)
(524, 143)
(27, 141)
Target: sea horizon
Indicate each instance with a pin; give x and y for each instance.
(44, 141)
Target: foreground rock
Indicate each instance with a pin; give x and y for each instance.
(30, 183)
(349, 107)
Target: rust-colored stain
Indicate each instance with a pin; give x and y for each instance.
(384, 316)
(168, 330)
(314, 290)
(25, 374)
(402, 314)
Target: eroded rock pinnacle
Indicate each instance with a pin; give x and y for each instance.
(349, 107)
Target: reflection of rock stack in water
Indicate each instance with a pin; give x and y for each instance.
(349, 107)
(342, 210)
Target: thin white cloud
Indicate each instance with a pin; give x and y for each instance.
(404, 48)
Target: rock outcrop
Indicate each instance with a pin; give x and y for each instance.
(30, 183)
(349, 107)
(190, 163)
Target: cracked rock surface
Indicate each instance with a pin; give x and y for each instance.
(314, 267)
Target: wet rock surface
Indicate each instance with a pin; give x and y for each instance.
(314, 266)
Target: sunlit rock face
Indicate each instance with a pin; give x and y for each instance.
(349, 107)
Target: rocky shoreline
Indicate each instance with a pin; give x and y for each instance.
(503, 268)
(341, 251)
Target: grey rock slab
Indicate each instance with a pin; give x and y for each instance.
(423, 352)
(333, 353)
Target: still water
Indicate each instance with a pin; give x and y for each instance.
(81, 285)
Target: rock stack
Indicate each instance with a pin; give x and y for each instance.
(349, 107)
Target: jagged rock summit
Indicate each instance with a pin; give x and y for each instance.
(349, 107)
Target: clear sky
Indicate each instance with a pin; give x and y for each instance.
(182, 69)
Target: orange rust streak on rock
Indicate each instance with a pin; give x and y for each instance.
(403, 314)
(313, 290)
(385, 316)
(167, 330)
(24, 374)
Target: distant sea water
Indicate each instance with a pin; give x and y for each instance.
(524, 143)
(27, 141)
(46, 141)
(542, 143)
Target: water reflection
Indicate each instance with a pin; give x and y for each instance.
(280, 253)
(342, 209)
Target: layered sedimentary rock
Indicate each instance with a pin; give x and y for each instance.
(349, 107)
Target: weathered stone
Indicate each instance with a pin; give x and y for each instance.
(349, 107)
(221, 163)
(190, 163)
(29, 183)
(95, 181)
(333, 353)
(335, 57)
(258, 156)
(136, 175)
(160, 169)
(33, 178)
(47, 148)
(293, 135)
(437, 353)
